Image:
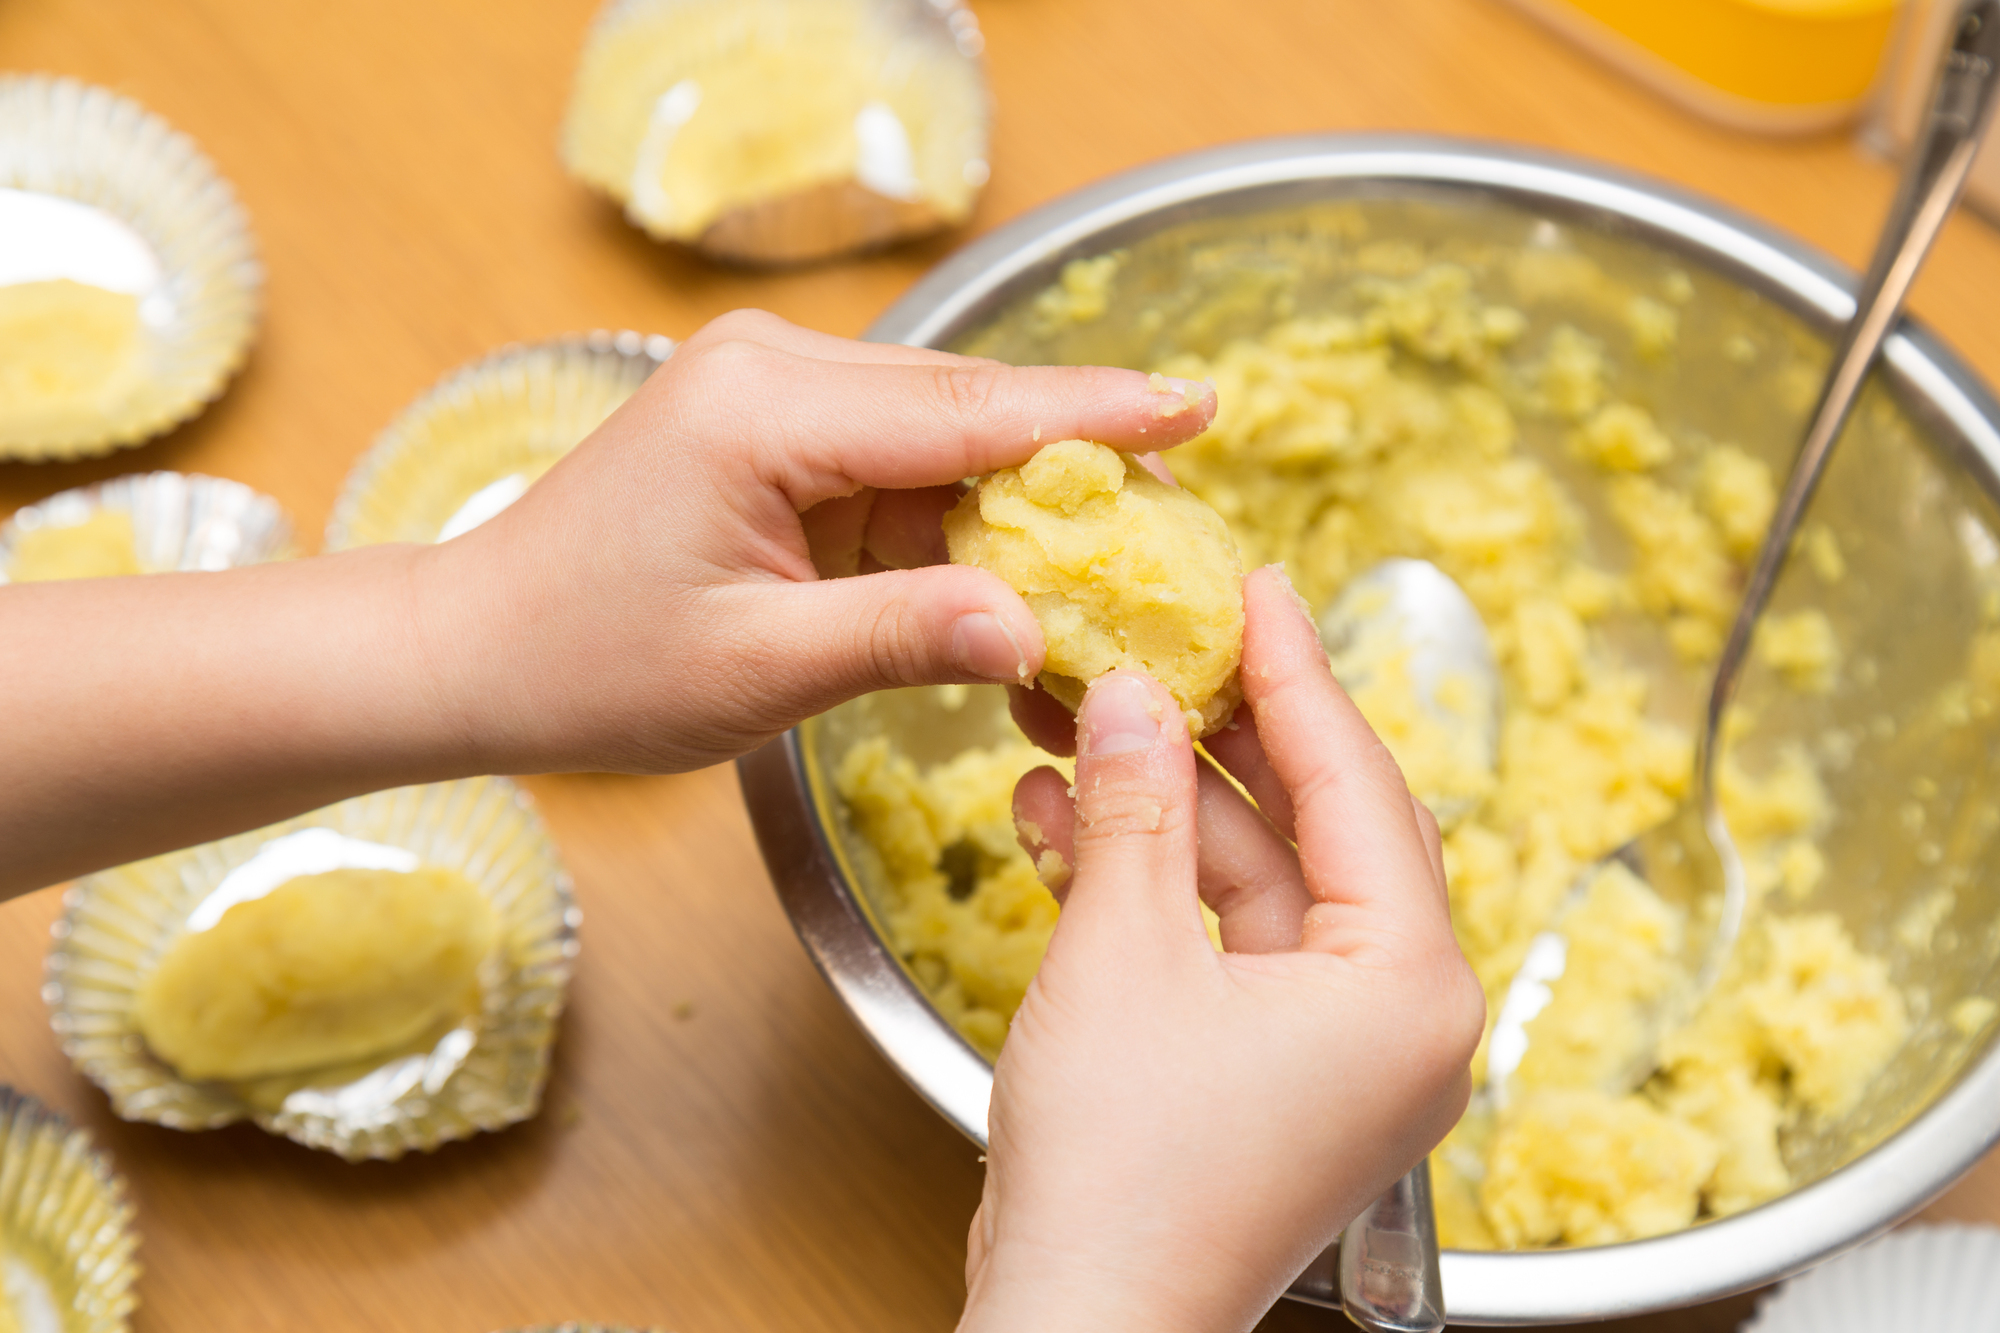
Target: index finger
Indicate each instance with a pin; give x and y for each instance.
(776, 331)
(1356, 827)
(824, 428)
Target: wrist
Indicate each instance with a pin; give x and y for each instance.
(1022, 1288)
(475, 634)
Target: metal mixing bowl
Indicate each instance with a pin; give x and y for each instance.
(1912, 496)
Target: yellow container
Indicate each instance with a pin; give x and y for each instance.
(1780, 66)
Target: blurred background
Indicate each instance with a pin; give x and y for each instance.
(398, 163)
(720, 1148)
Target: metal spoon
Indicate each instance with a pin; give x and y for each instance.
(1692, 855)
(1389, 1280)
(1412, 610)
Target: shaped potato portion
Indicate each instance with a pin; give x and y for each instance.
(1120, 570)
(323, 969)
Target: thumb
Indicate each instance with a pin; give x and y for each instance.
(822, 643)
(1135, 819)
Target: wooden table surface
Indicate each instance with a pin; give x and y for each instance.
(719, 1149)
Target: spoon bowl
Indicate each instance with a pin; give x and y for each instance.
(1409, 618)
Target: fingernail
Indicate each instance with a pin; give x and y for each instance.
(1119, 716)
(982, 645)
(1181, 395)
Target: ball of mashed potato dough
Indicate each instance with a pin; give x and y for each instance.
(323, 969)
(1120, 570)
(102, 546)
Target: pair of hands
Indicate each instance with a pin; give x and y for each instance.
(661, 600)
(1175, 1133)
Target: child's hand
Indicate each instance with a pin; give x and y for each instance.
(664, 598)
(668, 596)
(1176, 1132)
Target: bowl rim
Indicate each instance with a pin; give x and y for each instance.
(1730, 1255)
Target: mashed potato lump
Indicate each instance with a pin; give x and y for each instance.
(324, 969)
(1392, 427)
(1120, 569)
(103, 545)
(71, 355)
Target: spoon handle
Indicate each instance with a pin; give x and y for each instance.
(1389, 1279)
(1961, 106)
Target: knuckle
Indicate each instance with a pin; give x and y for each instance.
(736, 364)
(1455, 1009)
(1379, 763)
(744, 323)
(1427, 822)
(1371, 773)
(1225, 897)
(967, 391)
(1123, 806)
(1472, 1006)
(896, 644)
(1316, 787)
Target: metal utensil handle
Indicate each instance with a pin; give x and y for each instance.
(1961, 106)
(1389, 1280)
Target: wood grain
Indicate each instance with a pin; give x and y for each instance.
(720, 1148)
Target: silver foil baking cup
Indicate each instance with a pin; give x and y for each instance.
(484, 1073)
(180, 521)
(92, 184)
(67, 1244)
(471, 444)
(920, 121)
(1944, 1278)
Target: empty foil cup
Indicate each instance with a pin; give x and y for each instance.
(478, 1069)
(782, 131)
(66, 1236)
(128, 279)
(474, 443)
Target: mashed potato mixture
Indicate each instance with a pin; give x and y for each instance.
(325, 968)
(103, 545)
(1120, 569)
(1392, 427)
(70, 355)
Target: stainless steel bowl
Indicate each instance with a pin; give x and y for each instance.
(1914, 496)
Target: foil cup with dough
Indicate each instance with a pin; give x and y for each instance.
(473, 443)
(146, 523)
(477, 1063)
(129, 282)
(782, 131)
(67, 1244)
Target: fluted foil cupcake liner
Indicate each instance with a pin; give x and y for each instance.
(73, 141)
(180, 521)
(920, 137)
(485, 1073)
(1942, 1279)
(471, 444)
(67, 1244)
